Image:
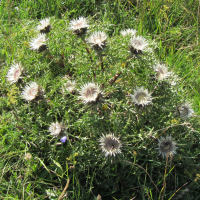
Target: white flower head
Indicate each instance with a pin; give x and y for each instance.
(110, 145)
(141, 96)
(55, 129)
(90, 93)
(32, 91)
(39, 43)
(44, 26)
(79, 26)
(137, 44)
(14, 73)
(166, 146)
(162, 72)
(68, 86)
(186, 110)
(97, 40)
(129, 32)
(28, 156)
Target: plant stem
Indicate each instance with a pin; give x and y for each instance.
(101, 61)
(63, 192)
(145, 171)
(111, 81)
(94, 74)
(164, 182)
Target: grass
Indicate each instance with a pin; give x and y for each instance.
(78, 169)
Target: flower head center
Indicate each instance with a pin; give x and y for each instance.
(137, 43)
(141, 97)
(90, 92)
(57, 129)
(166, 145)
(39, 42)
(185, 111)
(17, 74)
(111, 145)
(78, 25)
(161, 71)
(33, 92)
(161, 76)
(97, 40)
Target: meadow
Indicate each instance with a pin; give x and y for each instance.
(99, 99)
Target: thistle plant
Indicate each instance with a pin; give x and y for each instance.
(112, 70)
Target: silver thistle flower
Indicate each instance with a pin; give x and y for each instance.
(90, 93)
(79, 26)
(39, 43)
(32, 91)
(97, 40)
(166, 146)
(68, 86)
(186, 110)
(55, 129)
(110, 145)
(137, 45)
(14, 73)
(141, 96)
(128, 31)
(162, 72)
(44, 26)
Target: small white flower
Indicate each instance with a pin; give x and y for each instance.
(110, 145)
(128, 31)
(166, 146)
(44, 26)
(55, 129)
(28, 156)
(162, 72)
(141, 96)
(31, 91)
(68, 86)
(137, 44)
(16, 8)
(90, 92)
(79, 26)
(14, 73)
(186, 110)
(97, 39)
(39, 43)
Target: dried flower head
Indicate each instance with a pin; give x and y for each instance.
(129, 32)
(90, 93)
(99, 197)
(32, 91)
(97, 40)
(14, 73)
(79, 26)
(110, 144)
(166, 146)
(68, 86)
(44, 26)
(28, 156)
(137, 45)
(141, 96)
(39, 43)
(55, 129)
(162, 72)
(186, 110)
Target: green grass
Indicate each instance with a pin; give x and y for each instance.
(171, 27)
